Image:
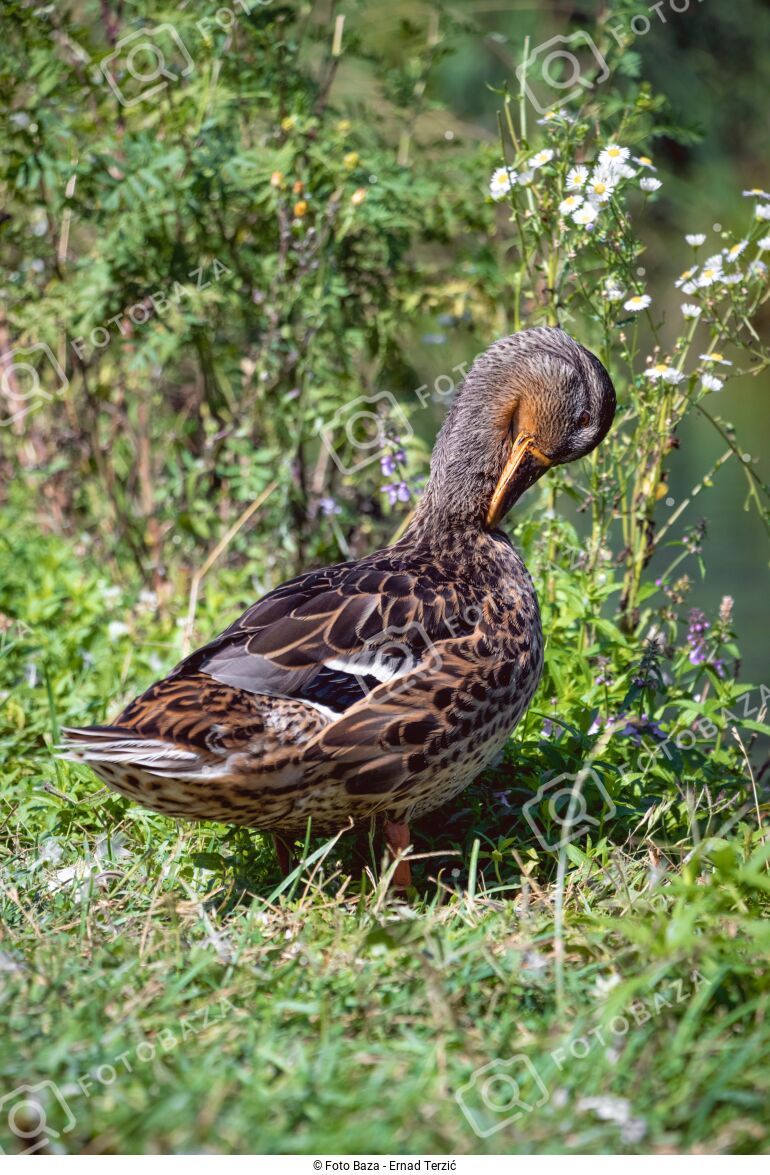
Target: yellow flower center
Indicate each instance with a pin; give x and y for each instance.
(645, 159)
(717, 356)
(600, 189)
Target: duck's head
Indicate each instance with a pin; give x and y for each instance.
(532, 400)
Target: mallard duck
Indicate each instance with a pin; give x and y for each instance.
(384, 685)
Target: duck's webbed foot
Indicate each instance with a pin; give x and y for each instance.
(397, 838)
(286, 862)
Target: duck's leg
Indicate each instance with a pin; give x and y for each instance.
(284, 854)
(397, 837)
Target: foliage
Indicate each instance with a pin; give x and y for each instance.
(216, 273)
(219, 275)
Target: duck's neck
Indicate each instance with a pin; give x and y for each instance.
(441, 513)
(466, 462)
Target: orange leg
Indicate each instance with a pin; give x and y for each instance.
(397, 837)
(285, 859)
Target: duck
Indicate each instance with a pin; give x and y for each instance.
(381, 686)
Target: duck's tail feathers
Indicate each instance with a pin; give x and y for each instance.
(95, 745)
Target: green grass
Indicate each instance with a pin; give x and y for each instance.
(179, 1002)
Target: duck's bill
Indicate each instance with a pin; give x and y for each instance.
(525, 464)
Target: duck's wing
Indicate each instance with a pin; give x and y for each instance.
(331, 637)
(358, 676)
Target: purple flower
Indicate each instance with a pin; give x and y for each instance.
(328, 506)
(696, 636)
(390, 462)
(642, 725)
(397, 492)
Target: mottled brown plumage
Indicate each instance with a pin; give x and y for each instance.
(386, 684)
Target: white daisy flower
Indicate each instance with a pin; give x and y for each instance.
(650, 184)
(757, 193)
(757, 268)
(762, 211)
(570, 204)
(712, 383)
(730, 279)
(645, 161)
(637, 302)
(662, 371)
(689, 288)
(603, 171)
(612, 155)
(685, 277)
(691, 311)
(612, 291)
(695, 239)
(763, 244)
(554, 116)
(542, 157)
(600, 189)
(715, 357)
(735, 250)
(709, 274)
(501, 182)
(624, 171)
(585, 215)
(576, 177)
(525, 178)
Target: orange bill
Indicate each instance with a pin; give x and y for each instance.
(525, 464)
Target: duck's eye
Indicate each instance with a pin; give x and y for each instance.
(584, 419)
